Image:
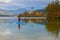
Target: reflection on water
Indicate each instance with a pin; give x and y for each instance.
(29, 29)
(34, 20)
(53, 27)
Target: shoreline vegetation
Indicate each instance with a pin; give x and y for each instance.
(33, 14)
(53, 11)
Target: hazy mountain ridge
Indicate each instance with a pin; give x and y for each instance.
(40, 10)
(17, 11)
(5, 14)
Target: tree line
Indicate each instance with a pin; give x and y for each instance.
(53, 11)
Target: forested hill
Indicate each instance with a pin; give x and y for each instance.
(35, 13)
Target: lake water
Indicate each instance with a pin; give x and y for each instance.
(29, 29)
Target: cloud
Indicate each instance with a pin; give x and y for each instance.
(34, 0)
(5, 0)
(23, 4)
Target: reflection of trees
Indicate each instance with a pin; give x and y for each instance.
(34, 20)
(53, 27)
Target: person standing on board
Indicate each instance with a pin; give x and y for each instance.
(19, 18)
(19, 22)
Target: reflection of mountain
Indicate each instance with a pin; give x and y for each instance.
(53, 27)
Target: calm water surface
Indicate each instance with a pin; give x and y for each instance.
(34, 29)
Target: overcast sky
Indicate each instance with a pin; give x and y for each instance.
(15, 4)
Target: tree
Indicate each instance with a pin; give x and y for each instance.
(53, 10)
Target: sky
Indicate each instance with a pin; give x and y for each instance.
(16, 4)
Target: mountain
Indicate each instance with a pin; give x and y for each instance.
(14, 11)
(5, 14)
(40, 10)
